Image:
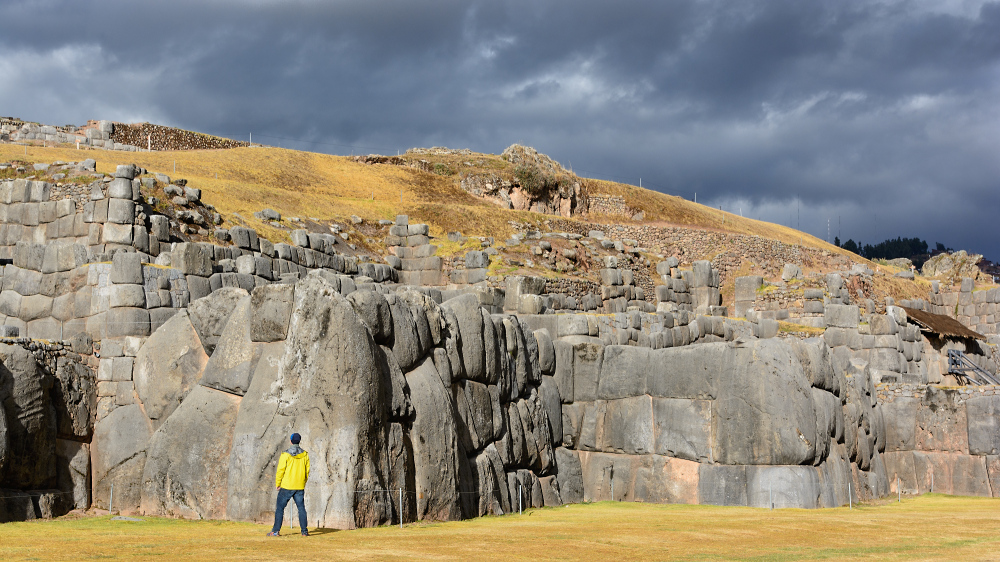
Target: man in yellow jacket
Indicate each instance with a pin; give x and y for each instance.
(290, 481)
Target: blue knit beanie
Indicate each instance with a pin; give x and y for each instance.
(296, 438)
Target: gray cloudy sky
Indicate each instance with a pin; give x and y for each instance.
(845, 110)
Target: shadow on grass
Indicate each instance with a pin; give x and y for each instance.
(320, 531)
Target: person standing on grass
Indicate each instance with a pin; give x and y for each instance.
(290, 481)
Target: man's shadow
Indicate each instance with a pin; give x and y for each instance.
(321, 531)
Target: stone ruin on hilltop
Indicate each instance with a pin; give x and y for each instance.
(172, 372)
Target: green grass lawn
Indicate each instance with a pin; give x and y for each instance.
(930, 527)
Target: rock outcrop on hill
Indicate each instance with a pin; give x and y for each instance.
(954, 266)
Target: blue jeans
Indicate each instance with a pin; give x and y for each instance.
(300, 504)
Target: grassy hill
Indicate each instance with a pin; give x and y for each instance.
(326, 187)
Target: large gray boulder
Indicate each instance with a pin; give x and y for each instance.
(73, 465)
(187, 464)
(783, 486)
(549, 393)
(466, 311)
(686, 372)
(435, 445)
(328, 387)
(900, 417)
(624, 371)
(118, 454)
(984, 425)
(74, 398)
(720, 484)
(682, 428)
(764, 412)
(30, 426)
(406, 344)
(373, 310)
(231, 367)
(209, 315)
(814, 356)
(168, 366)
(400, 406)
(271, 310)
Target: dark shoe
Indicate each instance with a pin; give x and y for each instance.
(273, 534)
(305, 533)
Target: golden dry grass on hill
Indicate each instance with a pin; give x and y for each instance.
(931, 527)
(327, 187)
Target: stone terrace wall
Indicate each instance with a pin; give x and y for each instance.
(941, 439)
(666, 425)
(96, 136)
(169, 138)
(979, 310)
(610, 205)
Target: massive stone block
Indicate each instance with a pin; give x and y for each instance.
(373, 310)
(588, 356)
(783, 486)
(764, 412)
(167, 366)
(951, 473)
(686, 372)
(628, 426)
(720, 484)
(232, 364)
(682, 428)
(983, 414)
(624, 371)
(29, 436)
(900, 417)
(118, 455)
(435, 446)
(73, 466)
(941, 422)
(563, 375)
(211, 314)
(466, 312)
(663, 480)
(271, 310)
(570, 475)
(187, 466)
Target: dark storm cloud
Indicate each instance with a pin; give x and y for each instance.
(797, 112)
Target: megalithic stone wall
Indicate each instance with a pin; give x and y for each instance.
(390, 391)
(178, 369)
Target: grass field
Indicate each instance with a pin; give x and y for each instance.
(930, 527)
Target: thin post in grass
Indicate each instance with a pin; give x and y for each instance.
(899, 493)
(520, 510)
(770, 493)
(111, 502)
(850, 499)
(401, 508)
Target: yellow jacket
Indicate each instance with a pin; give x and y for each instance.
(293, 469)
